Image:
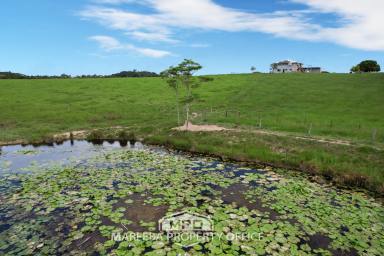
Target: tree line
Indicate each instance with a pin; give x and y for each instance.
(133, 73)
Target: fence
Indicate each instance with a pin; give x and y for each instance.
(301, 123)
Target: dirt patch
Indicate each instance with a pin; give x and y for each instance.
(199, 128)
(215, 128)
(10, 143)
(71, 135)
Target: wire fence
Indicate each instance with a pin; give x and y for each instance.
(303, 124)
(300, 123)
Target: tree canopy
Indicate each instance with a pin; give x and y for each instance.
(135, 73)
(366, 66)
(182, 74)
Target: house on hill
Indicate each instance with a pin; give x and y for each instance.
(290, 66)
(286, 66)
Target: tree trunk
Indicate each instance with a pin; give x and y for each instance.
(187, 115)
(177, 107)
(188, 104)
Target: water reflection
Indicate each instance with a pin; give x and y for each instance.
(17, 158)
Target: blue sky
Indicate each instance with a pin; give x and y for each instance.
(225, 36)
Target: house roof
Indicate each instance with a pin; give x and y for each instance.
(287, 62)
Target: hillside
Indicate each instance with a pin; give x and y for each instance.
(338, 106)
(345, 106)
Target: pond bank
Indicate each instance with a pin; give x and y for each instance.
(195, 143)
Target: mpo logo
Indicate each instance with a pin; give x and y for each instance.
(184, 222)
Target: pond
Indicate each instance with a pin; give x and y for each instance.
(111, 198)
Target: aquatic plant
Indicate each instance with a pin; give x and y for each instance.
(75, 209)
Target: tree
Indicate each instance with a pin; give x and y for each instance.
(355, 69)
(187, 69)
(183, 74)
(172, 76)
(65, 76)
(367, 66)
(134, 73)
(253, 69)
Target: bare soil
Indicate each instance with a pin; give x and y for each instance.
(200, 128)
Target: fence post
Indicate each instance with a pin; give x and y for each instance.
(374, 133)
(260, 122)
(310, 130)
(226, 113)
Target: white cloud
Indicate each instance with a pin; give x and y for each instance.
(109, 44)
(152, 36)
(150, 52)
(199, 45)
(360, 24)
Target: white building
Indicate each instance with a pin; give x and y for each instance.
(289, 66)
(286, 66)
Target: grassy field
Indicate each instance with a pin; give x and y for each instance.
(339, 106)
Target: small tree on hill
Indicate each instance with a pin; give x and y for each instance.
(253, 69)
(187, 69)
(183, 74)
(172, 76)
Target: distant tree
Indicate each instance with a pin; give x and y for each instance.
(369, 66)
(273, 67)
(366, 66)
(65, 76)
(253, 69)
(135, 73)
(10, 75)
(355, 69)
